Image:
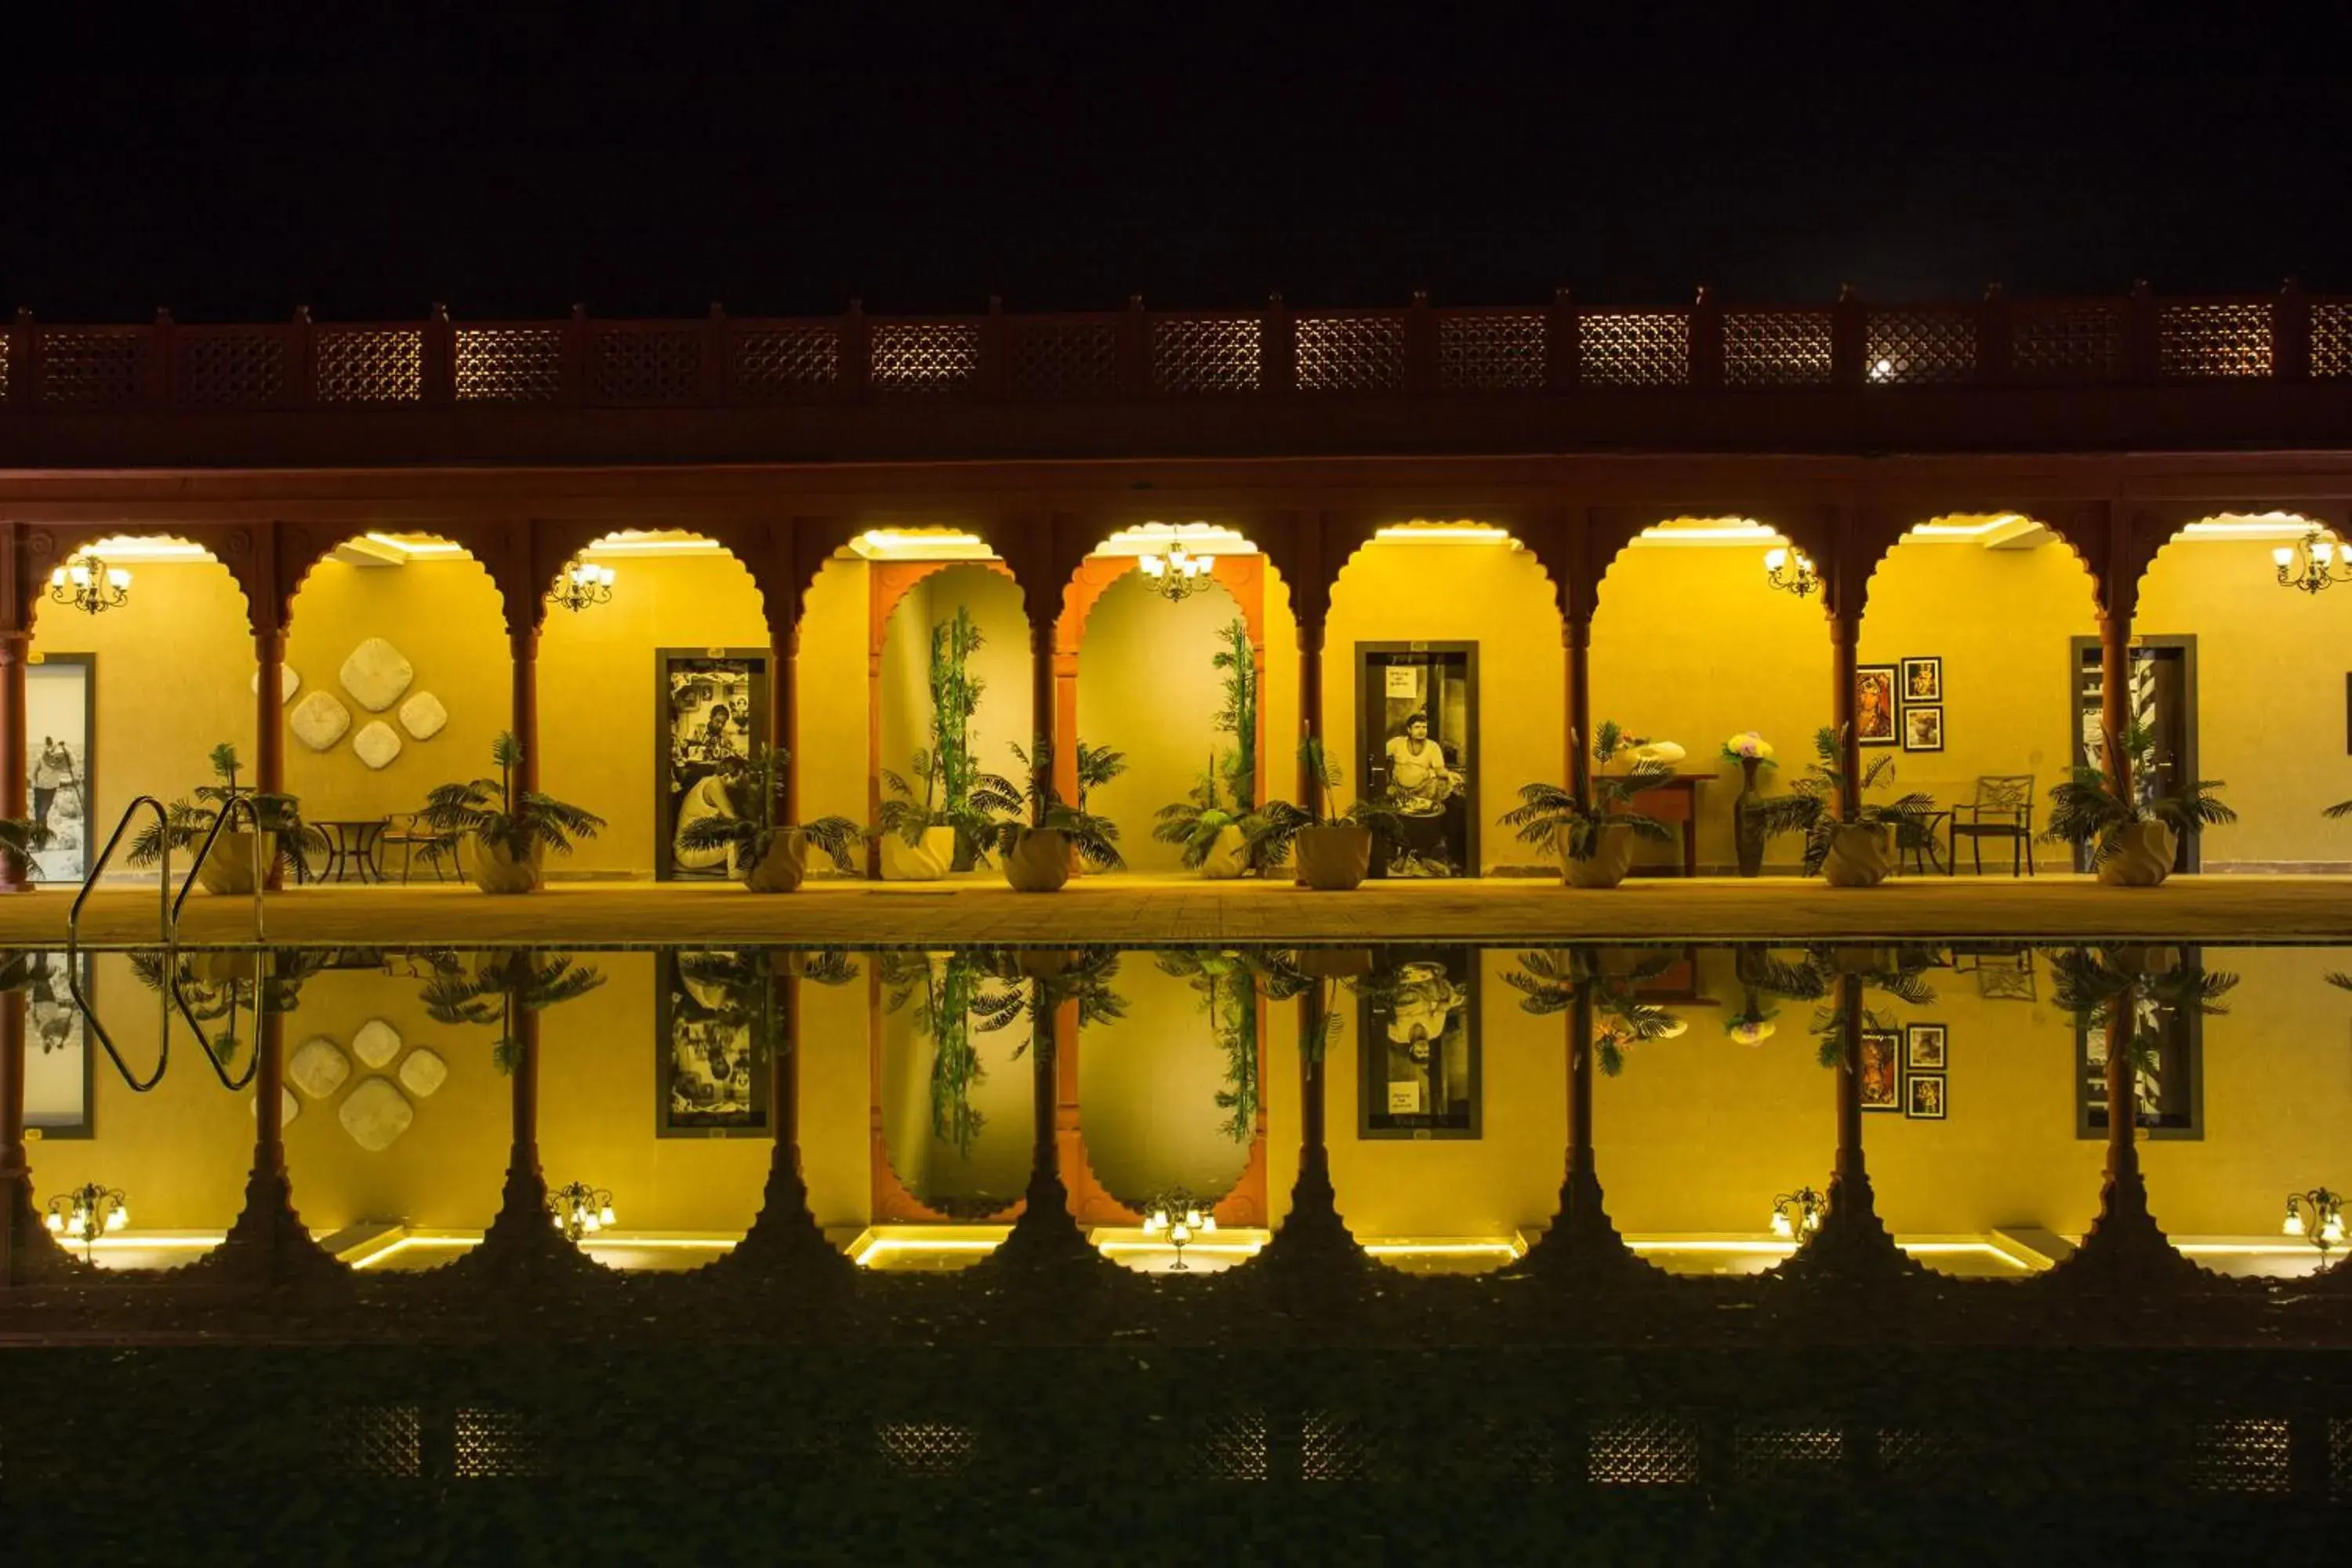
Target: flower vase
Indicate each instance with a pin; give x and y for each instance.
(1747, 833)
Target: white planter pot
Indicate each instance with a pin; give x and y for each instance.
(1859, 856)
(1228, 856)
(2144, 856)
(925, 862)
(1611, 857)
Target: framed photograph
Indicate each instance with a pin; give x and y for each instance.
(1922, 681)
(710, 707)
(1873, 704)
(60, 718)
(1924, 1099)
(1923, 1047)
(1882, 1077)
(1923, 729)
(1417, 741)
(58, 1059)
(709, 1080)
(1417, 1025)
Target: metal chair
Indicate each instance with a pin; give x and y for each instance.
(406, 830)
(2003, 808)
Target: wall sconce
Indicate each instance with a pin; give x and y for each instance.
(1797, 1215)
(1180, 1219)
(89, 583)
(2317, 1216)
(85, 1213)
(578, 1209)
(2312, 562)
(584, 587)
(1790, 569)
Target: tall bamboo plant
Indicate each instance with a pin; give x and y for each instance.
(1238, 715)
(955, 698)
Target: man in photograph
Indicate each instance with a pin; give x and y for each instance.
(53, 770)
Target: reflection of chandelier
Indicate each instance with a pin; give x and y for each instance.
(579, 1209)
(1790, 569)
(89, 583)
(583, 585)
(2317, 1215)
(82, 1214)
(1795, 1212)
(1176, 573)
(1180, 1219)
(2312, 562)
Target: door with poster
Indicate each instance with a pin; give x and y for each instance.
(1417, 742)
(710, 707)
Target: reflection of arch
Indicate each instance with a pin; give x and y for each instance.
(892, 1202)
(1243, 1200)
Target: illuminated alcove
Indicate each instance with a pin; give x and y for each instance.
(1150, 1082)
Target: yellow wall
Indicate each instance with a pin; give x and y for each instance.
(996, 1166)
(834, 694)
(1002, 665)
(1148, 1086)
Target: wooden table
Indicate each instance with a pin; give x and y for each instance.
(1675, 802)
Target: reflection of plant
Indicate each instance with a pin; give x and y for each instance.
(1280, 821)
(1544, 809)
(744, 980)
(1806, 809)
(204, 999)
(501, 986)
(1036, 805)
(944, 995)
(517, 821)
(1549, 982)
(2086, 812)
(755, 788)
(1228, 993)
(2148, 985)
(186, 820)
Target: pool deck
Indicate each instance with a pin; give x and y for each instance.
(1177, 911)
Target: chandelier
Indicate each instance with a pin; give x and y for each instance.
(2312, 562)
(1790, 569)
(583, 585)
(1798, 1214)
(1180, 1219)
(89, 583)
(2317, 1215)
(86, 1212)
(1176, 573)
(578, 1209)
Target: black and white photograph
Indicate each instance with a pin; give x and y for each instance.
(1923, 729)
(710, 1078)
(59, 1078)
(1417, 1019)
(59, 693)
(714, 709)
(1418, 730)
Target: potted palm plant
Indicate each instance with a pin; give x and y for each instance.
(510, 829)
(2132, 843)
(1213, 826)
(229, 869)
(920, 832)
(1036, 832)
(1334, 849)
(1594, 832)
(19, 837)
(1857, 848)
(770, 856)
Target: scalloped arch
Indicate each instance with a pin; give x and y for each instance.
(2073, 539)
(1369, 536)
(302, 551)
(2153, 534)
(564, 543)
(233, 549)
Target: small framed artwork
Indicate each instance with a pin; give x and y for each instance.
(1924, 1097)
(1923, 729)
(1923, 1047)
(58, 1057)
(1418, 1016)
(710, 1078)
(1922, 681)
(1881, 1074)
(1873, 704)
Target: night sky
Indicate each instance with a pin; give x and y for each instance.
(513, 172)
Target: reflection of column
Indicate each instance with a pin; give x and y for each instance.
(525, 703)
(1851, 1243)
(269, 729)
(521, 1243)
(28, 1251)
(14, 646)
(785, 1241)
(269, 1241)
(1313, 1235)
(1046, 1232)
(2125, 1250)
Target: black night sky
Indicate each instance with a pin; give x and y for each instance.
(513, 171)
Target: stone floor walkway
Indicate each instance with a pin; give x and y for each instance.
(1184, 910)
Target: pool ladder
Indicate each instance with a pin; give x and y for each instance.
(168, 933)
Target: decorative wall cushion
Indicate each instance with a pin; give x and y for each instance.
(376, 673)
(376, 743)
(375, 1114)
(423, 715)
(318, 1067)
(289, 681)
(376, 1043)
(424, 1072)
(319, 720)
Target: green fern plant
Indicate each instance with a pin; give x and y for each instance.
(1545, 809)
(495, 811)
(1279, 822)
(188, 820)
(754, 788)
(1036, 805)
(1819, 804)
(2086, 812)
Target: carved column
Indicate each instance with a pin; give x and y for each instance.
(784, 706)
(16, 647)
(1576, 642)
(525, 703)
(1842, 590)
(2115, 694)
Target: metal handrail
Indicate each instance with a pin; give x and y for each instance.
(221, 820)
(220, 1070)
(89, 1016)
(168, 934)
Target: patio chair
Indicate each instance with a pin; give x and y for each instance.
(2003, 808)
(406, 831)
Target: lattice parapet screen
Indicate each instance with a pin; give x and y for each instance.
(229, 369)
(1206, 353)
(646, 367)
(927, 359)
(1634, 348)
(2331, 340)
(1919, 1454)
(1787, 1453)
(1349, 353)
(509, 364)
(1491, 352)
(2067, 343)
(2340, 1459)
(369, 364)
(1919, 348)
(90, 369)
(1776, 348)
(1648, 1450)
(1230, 1445)
(926, 1449)
(2206, 341)
(1055, 361)
(771, 363)
(7, 353)
(494, 1444)
(377, 1440)
(1339, 1447)
(2239, 1456)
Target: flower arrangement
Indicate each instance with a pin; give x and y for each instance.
(1748, 746)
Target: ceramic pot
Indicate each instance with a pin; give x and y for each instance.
(1748, 836)
(1611, 857)
(495, 871)
(1228, 856)
(1039, 860)
(1333, 859)
(1860, 855)
(228, 869)
(780, 870)
(925, 862)
(2143, 857)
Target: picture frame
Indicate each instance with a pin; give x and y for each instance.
(1925, 1098)
(1923, 728)
(1874, 704)
(60, 1080)
(60, 761)
(1923, 680)
(710, 706)
(710, 1080)
(1926, 1048)
(1880, 1071)
(1418, 1059)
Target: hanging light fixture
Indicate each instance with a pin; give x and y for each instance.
(86, 1213)
(1797, 1215)
(1176, 573)
(2312, 562)
(88, 582)
(1790, 569)
(578, 1209)
(2317, 1216)
(585, 585)
(1180, 1219)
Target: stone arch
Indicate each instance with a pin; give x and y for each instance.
(243, 550)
